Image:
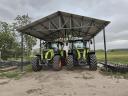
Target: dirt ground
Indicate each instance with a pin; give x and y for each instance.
(64, 83)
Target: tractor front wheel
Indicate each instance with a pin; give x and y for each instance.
(57, 63)
(35, 64)
(92, 62)
(70, 64)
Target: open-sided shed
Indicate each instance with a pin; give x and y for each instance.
(61, 24)
(57, 24)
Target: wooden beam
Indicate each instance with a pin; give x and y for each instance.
(91, 23)
(53, 24)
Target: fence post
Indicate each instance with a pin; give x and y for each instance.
(22, 52)
(105, 50)
(94, 44)
(0, 55)
(40, 47)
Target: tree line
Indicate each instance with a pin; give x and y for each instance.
(10, 39)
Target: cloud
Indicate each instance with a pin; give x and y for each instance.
(112, 10)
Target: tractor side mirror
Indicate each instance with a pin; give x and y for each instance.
(43, 44)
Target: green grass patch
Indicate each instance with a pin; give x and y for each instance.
(9, 74)
(117, 57)
(16, 74)
(28, 68)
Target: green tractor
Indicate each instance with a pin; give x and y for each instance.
(52, 55)
(80, 55)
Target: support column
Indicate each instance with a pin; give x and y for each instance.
(105, 50)
(22, 54)
(0, 54)
(94, 44)
(40, 46)
(89, 45)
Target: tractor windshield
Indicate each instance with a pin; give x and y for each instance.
(54, 45)
(79, 44)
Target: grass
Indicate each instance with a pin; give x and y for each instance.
(9, 74)
(116, 57)
(16, 74)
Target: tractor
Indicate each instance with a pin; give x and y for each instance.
(52, 56)
(80, 55)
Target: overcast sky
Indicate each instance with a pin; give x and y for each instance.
(115, 11)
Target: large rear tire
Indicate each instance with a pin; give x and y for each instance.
(92, 62)
(35, 64)
(70, 64)
(57, 66)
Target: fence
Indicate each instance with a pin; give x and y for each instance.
(4, 64)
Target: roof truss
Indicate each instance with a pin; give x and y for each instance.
(55, 25)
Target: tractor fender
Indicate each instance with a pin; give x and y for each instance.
(78, 54)
(85, 53)
(62, 52)
(51, 53)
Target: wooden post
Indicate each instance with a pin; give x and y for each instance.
(105, 49)
(22, 54)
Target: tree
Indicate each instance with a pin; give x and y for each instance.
(10, 38)
(7, 41)
(29, 41)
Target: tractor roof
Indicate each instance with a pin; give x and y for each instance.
(59, 24)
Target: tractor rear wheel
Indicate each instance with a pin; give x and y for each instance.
(70, 64)
(57, 63)
(92, 62)
(35, 64)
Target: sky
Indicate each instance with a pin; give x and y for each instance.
(115, 11)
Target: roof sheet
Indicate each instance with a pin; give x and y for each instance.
(59, 24)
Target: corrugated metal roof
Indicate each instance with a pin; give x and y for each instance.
(57, 24)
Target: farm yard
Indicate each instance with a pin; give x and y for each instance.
(79, 82)
(63, 48)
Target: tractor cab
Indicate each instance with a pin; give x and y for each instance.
(53, 45)
(78, 44)
(79, 47)
(50, 49)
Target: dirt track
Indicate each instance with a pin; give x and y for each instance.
(64, 83)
